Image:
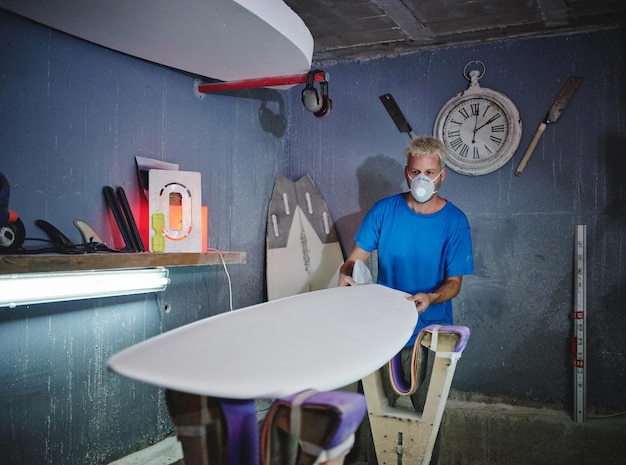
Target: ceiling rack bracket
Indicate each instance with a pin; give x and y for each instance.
(196, 84)
(201, 88)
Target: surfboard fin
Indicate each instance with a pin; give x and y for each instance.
(89, 234)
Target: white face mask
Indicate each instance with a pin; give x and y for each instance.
(423, 188)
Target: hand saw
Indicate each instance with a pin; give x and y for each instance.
(568, 90)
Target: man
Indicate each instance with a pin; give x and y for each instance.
(423, 241)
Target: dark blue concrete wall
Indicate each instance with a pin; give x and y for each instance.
(74, 115)
(72, 118)
(518, 302)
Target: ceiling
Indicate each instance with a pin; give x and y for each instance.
(357, 29)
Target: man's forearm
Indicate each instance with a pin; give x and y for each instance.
(448, 290)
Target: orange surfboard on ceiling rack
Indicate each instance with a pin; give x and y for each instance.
(227, 40)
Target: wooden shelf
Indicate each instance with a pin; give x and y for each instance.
(38, 263)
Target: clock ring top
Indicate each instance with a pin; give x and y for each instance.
(474, 62)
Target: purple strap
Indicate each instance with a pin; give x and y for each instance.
(462, 331)
(351, 408)
(401, 386)
(398, 382)
(243, 436)
(345, 409)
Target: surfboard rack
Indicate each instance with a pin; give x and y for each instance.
(403, 435)
(225, 431)
(202, 88)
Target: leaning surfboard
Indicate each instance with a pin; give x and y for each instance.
(303, 250)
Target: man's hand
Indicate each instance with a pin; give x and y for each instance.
(422, 301)
(345, 272)
(346, 280)
(449, 289)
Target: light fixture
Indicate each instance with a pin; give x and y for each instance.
(35, 288)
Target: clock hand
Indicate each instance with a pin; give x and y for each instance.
(475, 124)
(489, 121)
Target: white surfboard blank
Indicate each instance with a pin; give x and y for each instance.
(318, 340)
(228, 40)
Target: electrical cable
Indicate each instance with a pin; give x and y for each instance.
(230, 286)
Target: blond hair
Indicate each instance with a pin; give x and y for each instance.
(424, 145)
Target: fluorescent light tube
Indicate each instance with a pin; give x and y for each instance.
(35, 288)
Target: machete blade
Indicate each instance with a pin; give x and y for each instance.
(568, 90)
(396, 114)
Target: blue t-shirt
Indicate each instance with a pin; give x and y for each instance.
(416, 252)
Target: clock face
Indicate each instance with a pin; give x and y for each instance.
(481, 131)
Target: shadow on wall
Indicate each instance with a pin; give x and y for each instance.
(274, 123)
(607, 286)
(271, 112)
(616, 173)
(378, 177)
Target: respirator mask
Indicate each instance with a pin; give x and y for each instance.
(423, 188)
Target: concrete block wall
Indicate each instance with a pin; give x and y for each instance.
(481, 430)
(478, 433)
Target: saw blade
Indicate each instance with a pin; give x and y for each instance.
(568, 90)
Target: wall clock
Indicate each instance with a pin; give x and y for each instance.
(481, 128)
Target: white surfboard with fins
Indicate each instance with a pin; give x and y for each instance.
(303, 250)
